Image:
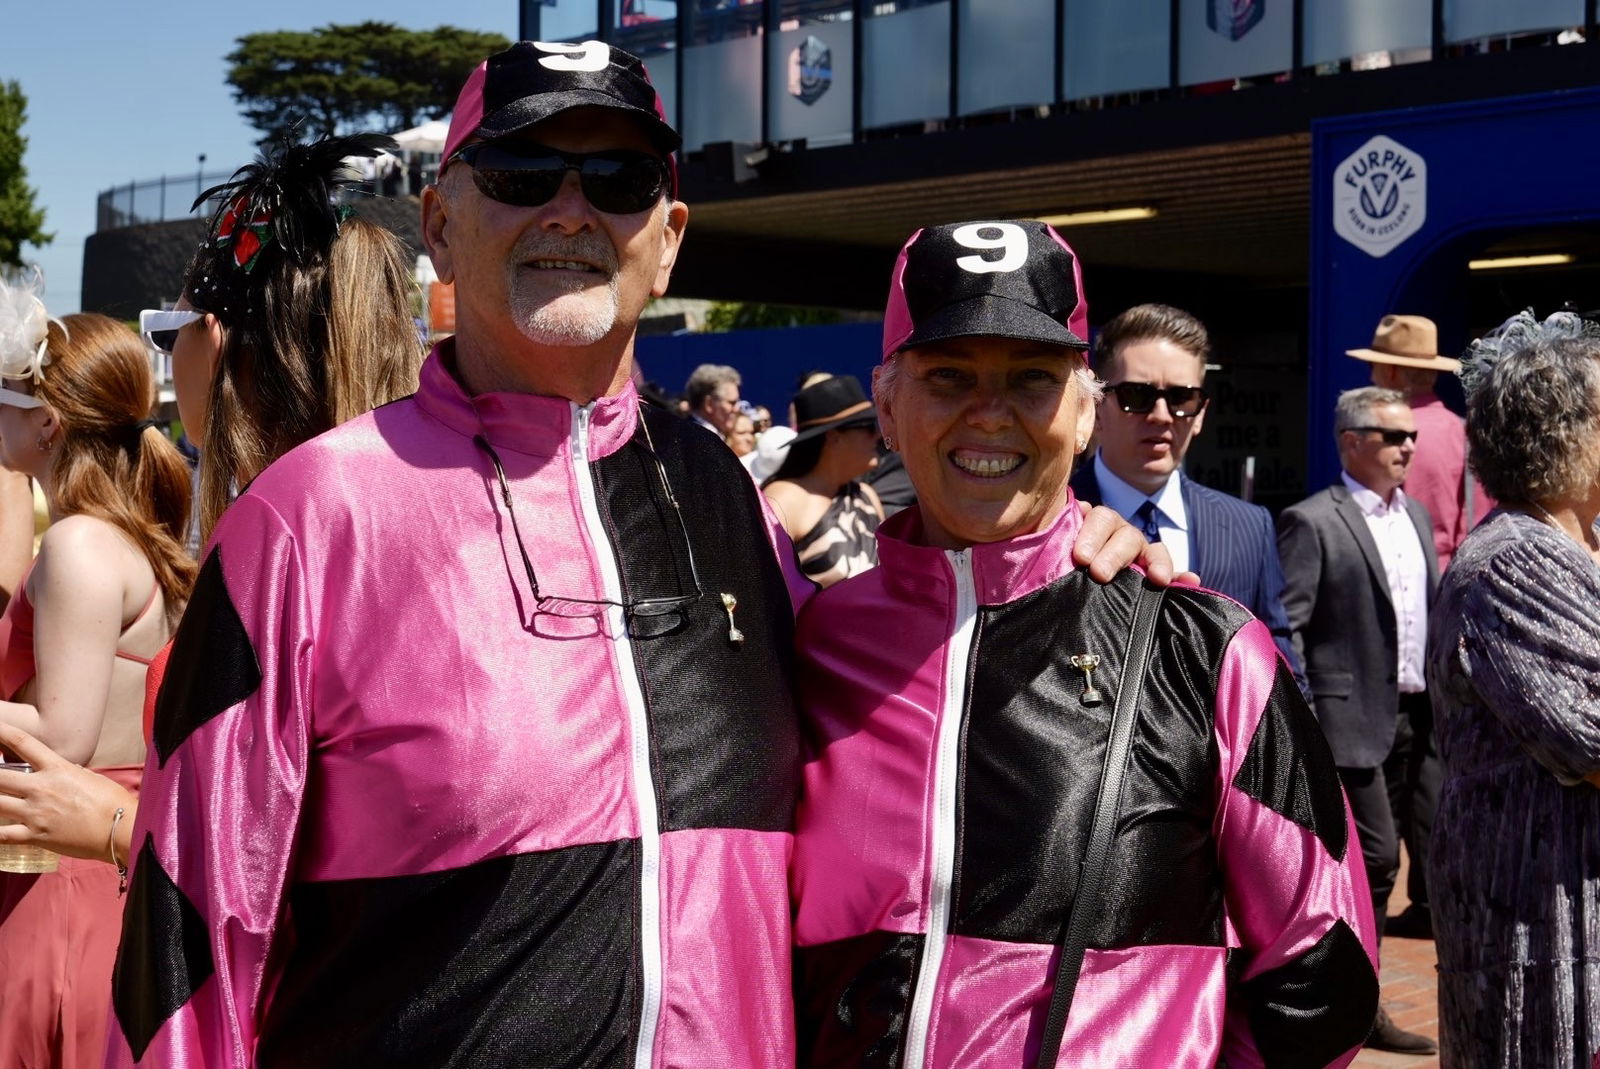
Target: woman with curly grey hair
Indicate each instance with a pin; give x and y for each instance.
(1514, 669)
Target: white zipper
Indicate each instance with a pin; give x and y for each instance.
(946, 757)
(644, 790)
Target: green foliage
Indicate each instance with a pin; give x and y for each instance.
(737, 315)
(343, 79)
(20, 220)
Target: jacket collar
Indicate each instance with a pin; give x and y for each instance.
(1001, 571)
(521, 422)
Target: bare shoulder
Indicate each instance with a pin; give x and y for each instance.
(798, 509)
(72, 535)
(787, 497)
(872, 498)
(83, 553)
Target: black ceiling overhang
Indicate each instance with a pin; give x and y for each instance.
(1229, 175)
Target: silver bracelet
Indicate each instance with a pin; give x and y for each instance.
(111, 848)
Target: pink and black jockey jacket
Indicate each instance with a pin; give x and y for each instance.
(397, 815)
(951, 775)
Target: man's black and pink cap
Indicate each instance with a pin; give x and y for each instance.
(1012, 278)
(532, 81)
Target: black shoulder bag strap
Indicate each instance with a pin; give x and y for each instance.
(1086, 900)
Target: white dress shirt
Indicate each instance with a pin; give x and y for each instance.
(1171, 518)
(1405, 566)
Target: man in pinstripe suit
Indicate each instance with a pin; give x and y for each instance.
(1153, 361)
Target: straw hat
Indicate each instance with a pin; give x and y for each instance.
(1406, 341)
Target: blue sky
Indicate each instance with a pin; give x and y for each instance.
(120, 91)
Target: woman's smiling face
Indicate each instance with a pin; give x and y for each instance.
(988, 428)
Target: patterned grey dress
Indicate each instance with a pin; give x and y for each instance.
(1514, 871)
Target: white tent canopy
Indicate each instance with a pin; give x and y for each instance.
(429, 137)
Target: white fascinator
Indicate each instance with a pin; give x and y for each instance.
(24, 327)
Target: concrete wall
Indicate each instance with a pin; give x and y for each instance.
(135, 267)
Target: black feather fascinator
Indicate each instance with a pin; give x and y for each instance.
(284, 205)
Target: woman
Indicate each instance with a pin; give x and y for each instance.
(274, 340)
(742, 438)
(1514, 670)
(828, 513)
(98, 601)
(960, 884)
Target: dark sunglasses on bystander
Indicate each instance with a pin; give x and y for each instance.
(620, 182)
(1390, 435)
(1141, 397)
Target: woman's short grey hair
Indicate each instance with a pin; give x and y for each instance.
(1533, 422)
(885, 378)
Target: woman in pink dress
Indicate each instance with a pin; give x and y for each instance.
(324, 328)
(99, 600)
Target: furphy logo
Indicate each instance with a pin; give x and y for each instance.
(1380, 196)
(810, 70)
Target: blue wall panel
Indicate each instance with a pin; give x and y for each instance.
(769, 360)
(1493, 168)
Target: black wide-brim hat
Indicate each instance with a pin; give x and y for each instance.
(831, 404)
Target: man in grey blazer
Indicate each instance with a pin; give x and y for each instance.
(1361, 571)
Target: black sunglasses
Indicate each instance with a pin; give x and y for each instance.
(646, 617)
(1389, 435)
(621, 182)
(1141, 397)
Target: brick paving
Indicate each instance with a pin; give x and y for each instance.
(1409, 990)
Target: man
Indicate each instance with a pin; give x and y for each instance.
(1361, 571)
(713, 394)
(476, 744)
(1152, 359)
(1404, 356)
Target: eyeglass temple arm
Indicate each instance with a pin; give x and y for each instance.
(672, 499)
(505, 492)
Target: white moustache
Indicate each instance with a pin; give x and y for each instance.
(587, 247)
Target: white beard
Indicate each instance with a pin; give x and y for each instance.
(554, 308)
(579, 316)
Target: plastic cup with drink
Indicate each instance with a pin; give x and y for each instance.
(19, 857)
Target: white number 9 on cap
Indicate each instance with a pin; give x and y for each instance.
(588, 56)
(1008, 237)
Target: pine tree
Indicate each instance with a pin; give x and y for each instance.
(20, 219)
(344, 79)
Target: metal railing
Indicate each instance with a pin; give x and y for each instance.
(157, 200)
(165, 199)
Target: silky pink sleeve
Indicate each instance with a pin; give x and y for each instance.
(1298, 906)
(220, 807)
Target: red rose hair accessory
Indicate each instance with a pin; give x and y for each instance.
(246, 243)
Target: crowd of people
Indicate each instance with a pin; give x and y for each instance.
(512, 715)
